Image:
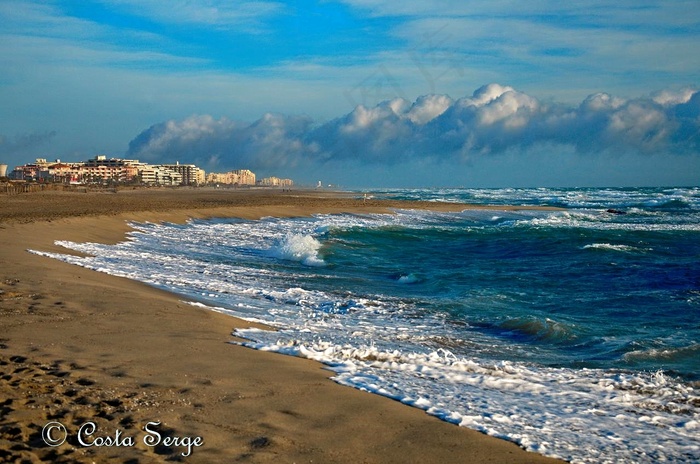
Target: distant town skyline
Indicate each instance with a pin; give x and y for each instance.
(361, 93)
(101, 170)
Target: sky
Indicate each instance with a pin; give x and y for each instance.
(361, 93)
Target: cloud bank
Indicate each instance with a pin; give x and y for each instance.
(495, 119)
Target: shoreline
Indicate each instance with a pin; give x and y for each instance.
(80, 346)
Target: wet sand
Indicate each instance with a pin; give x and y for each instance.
(80, 347)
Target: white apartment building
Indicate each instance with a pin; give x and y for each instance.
(276, 182)
(191, 174)
(159, 175)
(237, 177)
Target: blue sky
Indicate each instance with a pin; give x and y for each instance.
(361, 92)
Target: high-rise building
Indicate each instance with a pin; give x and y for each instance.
(276, 182)
(245, 177)
(237, 177)
(191, 174)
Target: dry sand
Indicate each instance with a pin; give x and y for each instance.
(78, 346)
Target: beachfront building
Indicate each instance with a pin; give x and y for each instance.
(159, 175)
(245, 177)
(32, 171)
(220, 178)
(28, 171)
(101, 169)
(236, 177)
(276, 182)
(58, 172)
(191, 174)
(104, 171)
(44, 171)
(97, 170)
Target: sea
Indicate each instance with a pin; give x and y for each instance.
(574, 333)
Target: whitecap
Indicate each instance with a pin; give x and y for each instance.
(408, 278)
(299, 247)
(613, 247)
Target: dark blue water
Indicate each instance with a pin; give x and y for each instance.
(589, 289)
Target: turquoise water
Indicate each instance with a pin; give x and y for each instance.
(574, 333)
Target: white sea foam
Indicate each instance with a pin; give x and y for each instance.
(582, 416)
(585, 219)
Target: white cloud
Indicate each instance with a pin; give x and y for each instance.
(428, 107)
(26, 52)
(547, 46)
(38, 35)
(623, 12)
(673, 97)
(272, 141)
(495, 119)
(453, 8)
(248, 15)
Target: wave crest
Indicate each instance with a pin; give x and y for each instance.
(299, 247)
(613, 247)
(546, 330)
(664, 354)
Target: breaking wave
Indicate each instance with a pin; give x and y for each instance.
(299, 247)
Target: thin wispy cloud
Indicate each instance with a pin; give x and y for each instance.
(223, 14)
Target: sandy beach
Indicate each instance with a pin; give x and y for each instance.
(78, 347)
